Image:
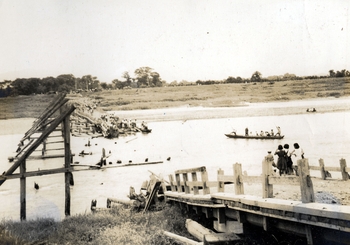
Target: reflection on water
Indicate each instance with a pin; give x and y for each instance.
(190, 143)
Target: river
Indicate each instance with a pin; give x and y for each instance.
(189, 143)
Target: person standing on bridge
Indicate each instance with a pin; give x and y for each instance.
(281, 162)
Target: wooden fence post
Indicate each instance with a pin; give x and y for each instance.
(221, 184)
(266, 172)
(204, 175)
(185, 179)
(171, 179)
(344, 174)
(178, 182)
(306, 186)
(22, 168)
(195, 188)
(237, 175)
(323, 172)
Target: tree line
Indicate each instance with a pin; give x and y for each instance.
(143, 77)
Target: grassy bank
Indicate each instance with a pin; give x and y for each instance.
(220, 95)
(113, 226)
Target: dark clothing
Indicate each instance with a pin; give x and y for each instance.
(281, 162)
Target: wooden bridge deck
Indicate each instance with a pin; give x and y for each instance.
(318, 223)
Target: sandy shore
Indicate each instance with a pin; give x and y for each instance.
(243, 110)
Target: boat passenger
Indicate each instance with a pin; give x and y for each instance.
(267, 133)
(278, 131)
(272, 133)
(246, 131)
(262, 133)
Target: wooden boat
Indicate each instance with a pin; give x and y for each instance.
(311, 110)
(237, 136)
(146, 130)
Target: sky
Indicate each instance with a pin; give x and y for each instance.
(180, 39)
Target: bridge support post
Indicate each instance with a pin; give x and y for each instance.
(344, 174)
(67, 159)
(22, 170)
(237, 174)
(323, 172)
(266, 172)
(221, 184)
(306, 186)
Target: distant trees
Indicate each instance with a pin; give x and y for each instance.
(146, 77)
(256, 77)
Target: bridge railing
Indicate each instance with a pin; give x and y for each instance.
(267, 179)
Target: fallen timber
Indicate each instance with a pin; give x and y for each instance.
(316, 223)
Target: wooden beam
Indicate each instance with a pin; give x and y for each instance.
(36, 143)
(191, 170)
(67, 161)
(38, 173)
(23, 191)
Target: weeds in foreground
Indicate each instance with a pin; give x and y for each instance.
(112, 226)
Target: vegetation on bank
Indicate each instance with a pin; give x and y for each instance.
(144, 77)
(216, 95)
(111, 226)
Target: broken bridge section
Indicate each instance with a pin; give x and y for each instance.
(55, 118)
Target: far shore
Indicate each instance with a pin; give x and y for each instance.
(183, 113)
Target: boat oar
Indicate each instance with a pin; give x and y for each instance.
(130, 140)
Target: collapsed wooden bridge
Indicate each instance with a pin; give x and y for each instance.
(317, 223)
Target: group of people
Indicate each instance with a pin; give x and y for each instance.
(286, 158)
(263, 133)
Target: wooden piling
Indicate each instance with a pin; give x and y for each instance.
(195, 188)
(22, 169)
(323, 172)
(237, 174)
(204, 175)
(344, 174)
(306, 186)
(185, 179)
(67, 160)
(266, 172)
(221, 184)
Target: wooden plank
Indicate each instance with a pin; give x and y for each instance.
(226, 178)
(181, 239)
(196, 229)
(152, 194)
(340, 212)
(284, 180)
(190, 170)
(35, 144)
(220, 238)
(38, 173)
(251, 179)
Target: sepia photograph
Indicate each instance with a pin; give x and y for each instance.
(175, 122)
